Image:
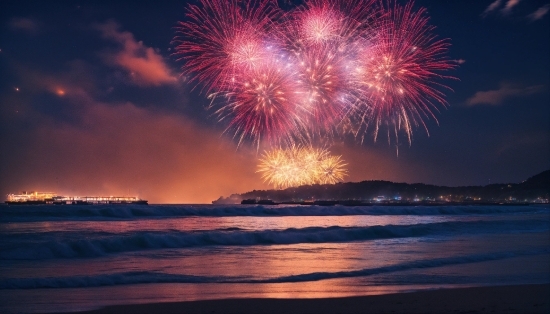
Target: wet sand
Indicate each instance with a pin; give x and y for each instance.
(497, 299)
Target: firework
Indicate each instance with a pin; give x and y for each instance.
(299, 165)
(331, 170)
(326, 67)
(336, 22)
(320, 23)
(263, 103)
(321, 38)
(221, 38)
(280, 169)
(323, 86)
(399, 72)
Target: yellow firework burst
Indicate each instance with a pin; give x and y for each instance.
(300, 165)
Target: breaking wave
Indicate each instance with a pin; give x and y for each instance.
(144, 277)
(125, 212)
(71, 245)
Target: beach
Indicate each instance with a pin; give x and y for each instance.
(497, 299)
(284, 259)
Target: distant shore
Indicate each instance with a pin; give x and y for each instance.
(383, 203)
(496, 299)
(533, 190)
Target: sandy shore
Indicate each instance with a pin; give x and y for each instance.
(500, 299)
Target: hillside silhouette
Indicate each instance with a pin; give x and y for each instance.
(535, 188)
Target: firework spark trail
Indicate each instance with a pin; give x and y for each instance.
(221, 38)
(336, 22)
(325, 67)
(322, 36)
(300, 165)
(322, 82)
(398, 72)
(331, 170)
(264, 103)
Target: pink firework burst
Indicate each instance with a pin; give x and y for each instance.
(223, 37)
(335, 22)
(321, 23)
(322, 36)
(325, 67)
(399, 72)
(323, 85)
(263, 104)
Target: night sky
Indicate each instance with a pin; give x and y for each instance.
(92, 102)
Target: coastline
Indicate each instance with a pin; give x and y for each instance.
(493, 299)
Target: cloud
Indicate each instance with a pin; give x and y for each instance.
(506, 10)
(144, 65)
(509, 6)
(493, 6)
(120, 149)
(24, 24)
(539, 13)
(162, 158)
(498, 96)
(77, 142)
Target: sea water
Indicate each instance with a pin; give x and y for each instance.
(79, 257)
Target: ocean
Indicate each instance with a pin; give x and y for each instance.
(72, 258)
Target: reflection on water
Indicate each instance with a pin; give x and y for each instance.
(245, 223)
(263, 262)
(399, 260)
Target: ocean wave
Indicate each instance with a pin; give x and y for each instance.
(70, 245)
(124, 278)
(124, 212)
(405, 266)
(144, 277)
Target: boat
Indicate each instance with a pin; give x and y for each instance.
(50, 198)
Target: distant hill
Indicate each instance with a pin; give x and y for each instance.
(541, 179)
(534, 188)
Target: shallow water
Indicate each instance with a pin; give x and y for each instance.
(66, 258)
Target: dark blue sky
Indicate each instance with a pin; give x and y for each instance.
(92, 102)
